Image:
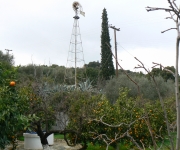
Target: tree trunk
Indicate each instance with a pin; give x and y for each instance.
(43, 137)
(165, 113)
(46, 147)
(117, 146)
(150, 130)
(84, 146)
(177, 94)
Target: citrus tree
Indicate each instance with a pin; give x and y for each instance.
(13, 105)
(136, 122)
(12, 118)
(82, 109)
(129, 120)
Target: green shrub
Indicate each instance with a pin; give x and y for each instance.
(147, 88)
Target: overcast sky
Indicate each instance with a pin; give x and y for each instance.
(39, 31)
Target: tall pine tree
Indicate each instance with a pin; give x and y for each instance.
(107, 67)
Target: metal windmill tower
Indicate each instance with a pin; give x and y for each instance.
(75, 58)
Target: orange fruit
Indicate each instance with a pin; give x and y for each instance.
(12, 83)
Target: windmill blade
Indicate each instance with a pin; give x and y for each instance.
(82, 13)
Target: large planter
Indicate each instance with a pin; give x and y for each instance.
(32, 141)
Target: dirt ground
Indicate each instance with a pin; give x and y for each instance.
(59, 144)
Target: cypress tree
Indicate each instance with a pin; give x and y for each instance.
(107, 67)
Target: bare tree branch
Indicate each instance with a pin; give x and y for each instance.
(142, 145)
(156, 8)
(176, 11)
(168, 30)
(173, 7)
(117, 136)
(134, 141)
(115, 126)
(157, 64)
(161, 101)
(175, 4)
(172, 17)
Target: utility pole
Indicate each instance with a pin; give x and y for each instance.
(115, 29)
(8, 51)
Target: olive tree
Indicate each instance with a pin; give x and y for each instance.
(148, 91)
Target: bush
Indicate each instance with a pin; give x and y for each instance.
(147, 88)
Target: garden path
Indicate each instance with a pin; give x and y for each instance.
(59, 144)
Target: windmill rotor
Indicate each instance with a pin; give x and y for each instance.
(78, 8)
(76, 5)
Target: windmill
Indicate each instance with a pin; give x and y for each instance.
(75, 54)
